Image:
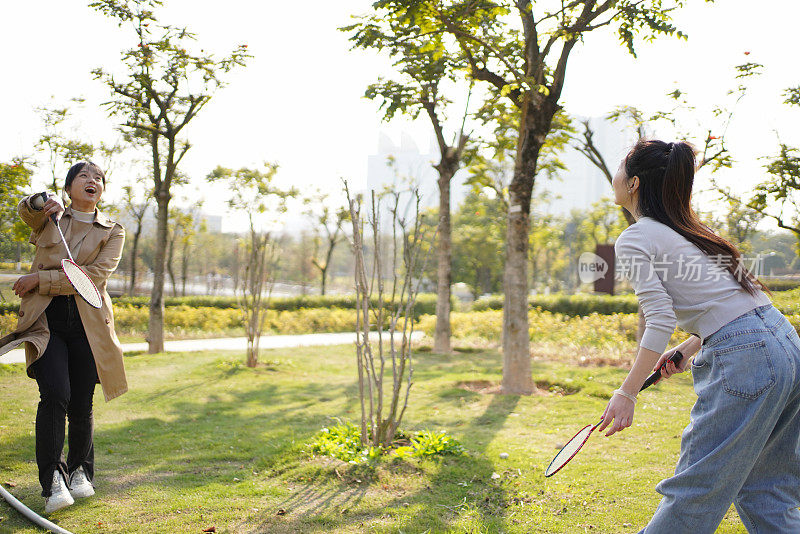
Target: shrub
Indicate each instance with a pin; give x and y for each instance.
(427, 443)
(788, 302)
(8, 322)
(10, 266)
(426, 303)
(596, 330)
(782, 284)
(343, 442)
(580, 304)
(309, 321)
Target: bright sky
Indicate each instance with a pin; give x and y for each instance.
(299, 100)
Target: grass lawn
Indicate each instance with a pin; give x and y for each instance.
(200, 441)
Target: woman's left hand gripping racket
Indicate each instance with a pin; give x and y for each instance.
(574, 445)
(77, 277)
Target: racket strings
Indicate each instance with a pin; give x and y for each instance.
(82, 283)
(569, 450)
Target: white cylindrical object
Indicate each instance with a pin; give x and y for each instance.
(30, 514)
(37, 201)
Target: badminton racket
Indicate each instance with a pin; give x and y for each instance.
(577, 441)
(77, 277)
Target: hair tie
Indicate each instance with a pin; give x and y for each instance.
(671, 147)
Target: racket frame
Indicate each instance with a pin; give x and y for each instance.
(593, 427)
(654, 378)
(99, 303)
(72, 261)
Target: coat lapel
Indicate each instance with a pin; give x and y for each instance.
(97, 235)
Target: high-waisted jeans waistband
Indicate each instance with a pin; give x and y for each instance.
(765, 317)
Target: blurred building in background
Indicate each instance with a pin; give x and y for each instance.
(395, 165)
(398, 165)
(583, 183)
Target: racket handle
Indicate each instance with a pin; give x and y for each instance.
(656, 376)
(45, 198)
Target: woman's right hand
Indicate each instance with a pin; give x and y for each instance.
(671, 368)
(53, 206)
(25, 284)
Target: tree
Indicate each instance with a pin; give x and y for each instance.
(253, 195)
(714, 129)
(331, 223)
(60, 150)
(477, 239)
(187, 241)
(135, 202)
(177, 220)
(164, 88)
(422, 69)
(601, 224)
(386, 296)
(739, 224)
(777, 197)
(528, 68)
(15, 181)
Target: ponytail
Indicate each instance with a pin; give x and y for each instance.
(666, 175)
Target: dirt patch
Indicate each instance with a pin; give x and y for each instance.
(581, 356)
(487, 387)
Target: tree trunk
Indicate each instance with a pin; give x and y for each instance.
(441, 338)
(155, 334)
(170, 269)
(516, 339)
(184, 268)
(134, 253)
(323, 275)
(534, 127)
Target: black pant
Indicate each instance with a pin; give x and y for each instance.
(66, 374)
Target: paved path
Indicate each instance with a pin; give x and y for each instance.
(227, 343)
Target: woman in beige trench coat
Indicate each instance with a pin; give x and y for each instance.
(69, 345)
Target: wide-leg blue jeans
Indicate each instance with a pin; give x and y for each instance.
(742, 445)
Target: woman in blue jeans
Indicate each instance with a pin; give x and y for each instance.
(742, 445)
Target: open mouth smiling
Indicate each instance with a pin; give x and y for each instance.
(91, 189)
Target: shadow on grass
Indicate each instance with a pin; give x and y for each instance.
(460, 488)
(213, 430)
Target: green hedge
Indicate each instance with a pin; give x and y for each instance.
(12, 266)
(426, 303)
(782, 285)
(572, 305)
(787, 301)
(9, 307)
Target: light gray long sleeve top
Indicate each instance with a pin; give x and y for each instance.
(678, 284)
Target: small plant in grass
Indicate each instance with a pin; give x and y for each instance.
(343, 442)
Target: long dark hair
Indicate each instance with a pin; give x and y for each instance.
(666, 175)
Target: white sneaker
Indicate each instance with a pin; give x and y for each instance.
(79, 485)
(60, 497)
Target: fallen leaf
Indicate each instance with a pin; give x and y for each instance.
(210, 529)
(281, 511)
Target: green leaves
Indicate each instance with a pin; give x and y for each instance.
(15, 180)
(792, 95)
(343, 442)
(251, 190)
(166, 83)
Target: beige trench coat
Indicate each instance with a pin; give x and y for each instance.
(99, 256)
